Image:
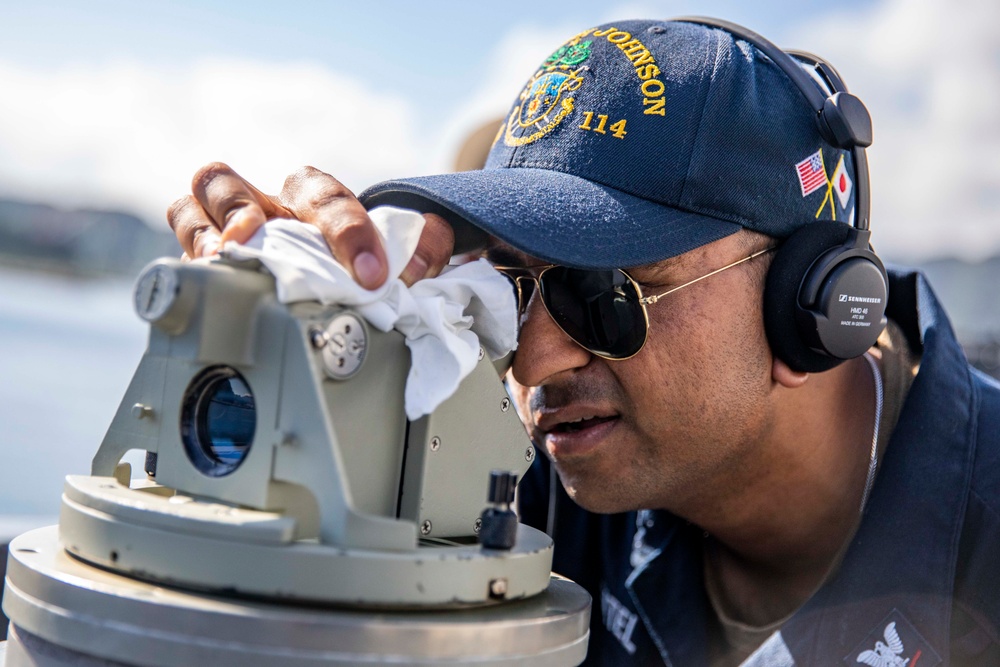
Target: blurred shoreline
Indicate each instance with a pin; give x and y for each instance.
(82, 243)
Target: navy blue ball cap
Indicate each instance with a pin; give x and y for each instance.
(639, 141)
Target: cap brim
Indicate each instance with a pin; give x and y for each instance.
(556, 217)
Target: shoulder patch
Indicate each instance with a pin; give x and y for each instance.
(894, 642)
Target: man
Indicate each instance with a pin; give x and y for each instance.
(720, 501)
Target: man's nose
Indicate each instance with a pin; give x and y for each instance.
(543, 349)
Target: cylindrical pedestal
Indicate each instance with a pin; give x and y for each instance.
(66, 612)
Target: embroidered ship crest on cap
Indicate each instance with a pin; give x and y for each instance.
(546, 100)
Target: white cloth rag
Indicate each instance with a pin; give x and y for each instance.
(444, 319)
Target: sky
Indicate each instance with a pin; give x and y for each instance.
(115, 104)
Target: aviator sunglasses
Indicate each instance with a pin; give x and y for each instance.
(603, 311)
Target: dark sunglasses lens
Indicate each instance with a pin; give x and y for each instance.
(598, 309)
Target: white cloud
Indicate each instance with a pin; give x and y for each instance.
(131, 136)
(929, 71)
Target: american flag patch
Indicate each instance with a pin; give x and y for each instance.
(812, 173)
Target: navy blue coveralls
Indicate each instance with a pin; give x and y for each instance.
(919, 585)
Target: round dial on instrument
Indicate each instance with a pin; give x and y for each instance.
(155, 292)
(346, 342)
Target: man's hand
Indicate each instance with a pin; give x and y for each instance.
(224, 207)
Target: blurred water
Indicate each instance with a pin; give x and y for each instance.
(68, 348)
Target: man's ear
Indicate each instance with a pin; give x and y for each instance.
(785, 376)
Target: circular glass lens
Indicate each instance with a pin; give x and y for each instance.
(218, 420)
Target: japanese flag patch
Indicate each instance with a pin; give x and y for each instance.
(842, 184)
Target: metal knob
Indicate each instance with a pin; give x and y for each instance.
(502, 485)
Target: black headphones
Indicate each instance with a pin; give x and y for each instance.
(826, 290)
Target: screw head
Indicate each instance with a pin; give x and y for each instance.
(482, 353)
(477, 526)
(529, 454)
(425, 527)
(317, 337)
(505, 404)
(142, 411)
(435, 443)
(498, 587)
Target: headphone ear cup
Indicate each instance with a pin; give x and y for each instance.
(781, 293)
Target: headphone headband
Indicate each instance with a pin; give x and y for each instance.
(842, 118)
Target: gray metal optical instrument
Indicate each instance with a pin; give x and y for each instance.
(291, 514)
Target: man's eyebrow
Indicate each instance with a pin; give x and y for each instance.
(657, 268)
(503, 256)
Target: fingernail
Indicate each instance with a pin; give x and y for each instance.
(367, 269)
(210, 248)
(415, 270)
(242, 225)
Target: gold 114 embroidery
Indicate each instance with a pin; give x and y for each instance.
(617, 128)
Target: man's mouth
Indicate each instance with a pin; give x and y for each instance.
(575, 432)
(581, 424)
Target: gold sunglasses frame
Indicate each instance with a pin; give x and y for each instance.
(529, 273)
